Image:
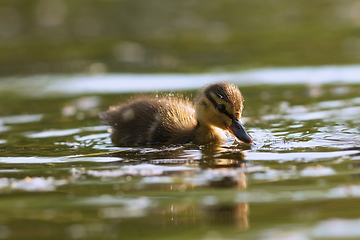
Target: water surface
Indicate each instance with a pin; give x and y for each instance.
(60, 176)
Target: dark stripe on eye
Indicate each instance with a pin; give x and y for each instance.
(211, 99)
(225, 98)
(216, 105)
(229, 115)
(220, 90)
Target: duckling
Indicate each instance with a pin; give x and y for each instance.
(161, 120)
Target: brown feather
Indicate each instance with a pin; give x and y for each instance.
(154, 121)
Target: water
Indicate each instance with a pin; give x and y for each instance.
(60, 176)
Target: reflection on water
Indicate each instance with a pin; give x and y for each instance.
(312, 77)
(60, 170)
(211, 208)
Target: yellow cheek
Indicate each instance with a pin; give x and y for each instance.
(225, 121)
(228, 122)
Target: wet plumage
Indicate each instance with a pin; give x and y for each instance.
(170, 120)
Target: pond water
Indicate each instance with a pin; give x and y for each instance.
(60, 176)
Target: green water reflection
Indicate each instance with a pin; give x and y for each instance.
(60, 177)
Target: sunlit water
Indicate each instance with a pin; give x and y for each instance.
(60, 176)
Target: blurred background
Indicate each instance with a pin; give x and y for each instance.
(96, 36)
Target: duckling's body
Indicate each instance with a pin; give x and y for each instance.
(175, 120)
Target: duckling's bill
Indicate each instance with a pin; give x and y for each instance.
(239, 132)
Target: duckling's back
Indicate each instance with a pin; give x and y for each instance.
(152, 121)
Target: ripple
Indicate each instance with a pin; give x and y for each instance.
(317, 171)
(337, 229)
(41, 160)
(91, 137)
(4, 128)
(329, 115)
(53, 133)
(296, 156)
(34, 184)
(68, 132)
(17, 119)
(139, 170)
(113, 207)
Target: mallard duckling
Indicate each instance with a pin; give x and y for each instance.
(171, 120)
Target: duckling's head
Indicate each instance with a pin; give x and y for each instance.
(220, 105)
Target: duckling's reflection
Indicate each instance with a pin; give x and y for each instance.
(220, 165)
(208, 212)
(223, 164)
(223, 158)
(219, 156)
(236, 213)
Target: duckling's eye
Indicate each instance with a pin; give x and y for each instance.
(221, 108)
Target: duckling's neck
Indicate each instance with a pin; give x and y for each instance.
(208, 134)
